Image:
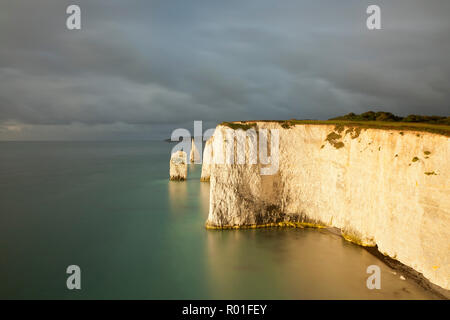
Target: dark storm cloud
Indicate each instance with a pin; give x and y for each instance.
(138, 63)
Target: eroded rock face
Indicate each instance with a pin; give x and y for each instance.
(194, 156)
(178, 166)
(207, 160)
(380, 187)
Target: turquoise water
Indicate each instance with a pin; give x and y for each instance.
(109, 208)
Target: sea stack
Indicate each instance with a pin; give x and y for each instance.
(178, 166)
(194, 155)
(207, 161)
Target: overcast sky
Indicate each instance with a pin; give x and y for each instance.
(138, 69)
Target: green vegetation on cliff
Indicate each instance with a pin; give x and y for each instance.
(389, 117)
(369, 120)
(243, 125)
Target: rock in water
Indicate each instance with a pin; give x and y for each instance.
(178, 166)
(194, 156)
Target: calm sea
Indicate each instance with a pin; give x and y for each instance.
(109, 208)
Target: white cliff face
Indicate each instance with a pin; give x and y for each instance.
(380, 187)
(207, 160)
(194, 156)
(178, 165)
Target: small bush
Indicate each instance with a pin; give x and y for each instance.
(287, 124)
(339, 128)
(333, 138)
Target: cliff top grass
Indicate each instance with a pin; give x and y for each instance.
(369, 120)
(243, 125)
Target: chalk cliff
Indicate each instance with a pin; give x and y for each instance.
(178, 166)
(194, 156)
(207, 160)
(379, 186)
